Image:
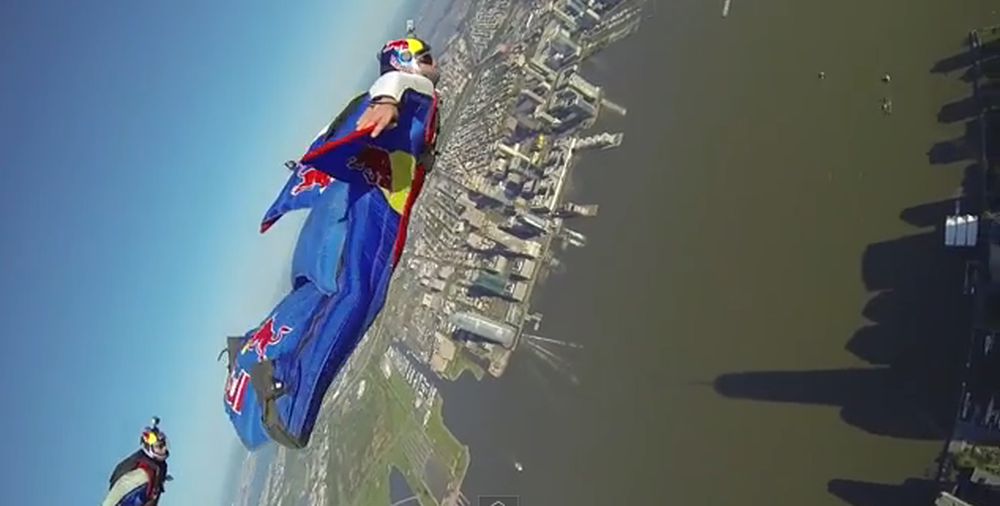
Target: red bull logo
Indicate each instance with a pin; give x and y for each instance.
(400, 54)
(265, 337)
(374, 163)
(396, 45)
(310, 179)
(236, 390)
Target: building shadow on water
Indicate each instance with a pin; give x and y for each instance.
(862, 493)
(962, 148)
(963, 62)
(914, 344)
(915, 341)
(914, 347)
(968, 108)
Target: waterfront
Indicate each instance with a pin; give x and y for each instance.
(747, 223)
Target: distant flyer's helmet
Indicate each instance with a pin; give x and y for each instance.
(404, 55)
(154, 442)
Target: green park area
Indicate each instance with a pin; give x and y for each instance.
(384, 430)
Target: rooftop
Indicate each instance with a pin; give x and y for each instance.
(479, 325)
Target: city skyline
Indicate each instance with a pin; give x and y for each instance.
(488, 226)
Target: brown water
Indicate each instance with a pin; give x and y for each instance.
(768, 312)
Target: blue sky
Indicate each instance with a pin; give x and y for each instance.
(141, 142)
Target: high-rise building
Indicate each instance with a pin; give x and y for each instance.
(576, 15)
(484, 328)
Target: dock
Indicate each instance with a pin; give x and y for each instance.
(571, 210)
(613, 107)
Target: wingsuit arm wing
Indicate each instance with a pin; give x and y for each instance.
(130, 484)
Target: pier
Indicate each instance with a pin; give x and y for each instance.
(613, 107)
(572, 210)
(603, 140)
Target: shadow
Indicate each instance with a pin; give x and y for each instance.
(877, 400)
(959, 110)
(977, 489)
(991, 49)
(916, 341)
(966, 147)
(968, 108)
(974, 186)
(862, 493)
(990, 69)
(945, 152)
(916, 337)
(928, 215)
(988, 52)
(981, 391)
(969, 145)
(965, 61)
(952, 63)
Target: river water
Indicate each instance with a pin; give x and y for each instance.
(767, 313)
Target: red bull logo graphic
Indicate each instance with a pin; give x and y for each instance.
(399, 54)
(374, 163)
(396, 45)
(236, 390)
(310, 179)
(265, 337)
